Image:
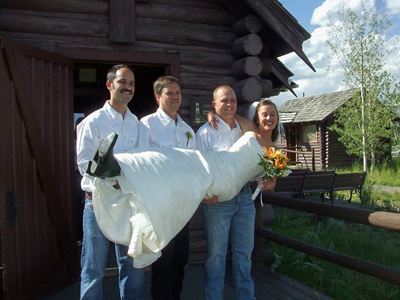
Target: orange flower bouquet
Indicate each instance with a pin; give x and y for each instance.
(274, 163)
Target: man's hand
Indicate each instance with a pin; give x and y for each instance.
(213, 200)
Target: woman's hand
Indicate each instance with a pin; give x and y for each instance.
(212, 119)
(213, 200)
(267, 184)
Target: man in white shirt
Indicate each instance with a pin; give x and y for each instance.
(115, 116)
(231, 220)
(167, 129)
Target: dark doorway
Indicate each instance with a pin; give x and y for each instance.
(90, 90)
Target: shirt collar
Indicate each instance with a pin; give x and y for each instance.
(166, 120)
(113, 114)
(221, 124)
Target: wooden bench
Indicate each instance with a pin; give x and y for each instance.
(319, 182)
(352, 182)
(291, 185)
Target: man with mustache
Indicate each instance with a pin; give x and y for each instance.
(167, 129)
(114, 116)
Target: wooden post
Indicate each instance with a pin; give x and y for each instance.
(122, 21)
(257, 257)
(313, 159)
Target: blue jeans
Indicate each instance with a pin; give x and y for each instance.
(230, 220)
(94, 259)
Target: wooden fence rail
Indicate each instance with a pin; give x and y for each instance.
(356, 215)
(363, 266)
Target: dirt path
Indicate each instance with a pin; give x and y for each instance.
(389, 189)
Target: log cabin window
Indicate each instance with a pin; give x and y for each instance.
(309, 133)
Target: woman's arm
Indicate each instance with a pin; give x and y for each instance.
(244, 123)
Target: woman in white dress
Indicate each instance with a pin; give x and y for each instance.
(159, 189)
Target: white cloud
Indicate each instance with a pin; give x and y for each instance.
(318, 52)
(393, 7)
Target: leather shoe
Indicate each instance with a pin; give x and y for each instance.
(104, 164)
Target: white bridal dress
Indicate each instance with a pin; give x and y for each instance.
(161, 188)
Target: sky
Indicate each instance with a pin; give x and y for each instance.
(312, 16)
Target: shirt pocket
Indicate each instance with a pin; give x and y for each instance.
(220, 147)
(166, 144)
(132, 142)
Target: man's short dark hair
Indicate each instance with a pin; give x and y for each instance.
(111, 74)
(161, 81)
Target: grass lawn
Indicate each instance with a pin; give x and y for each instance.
(365, 242)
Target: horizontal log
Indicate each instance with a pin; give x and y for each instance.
(180, 33)
(266, 65)
(184, 113)
(122, 21)
(204, 81)
(150, 30)
(218, 60)
(267, 48)
(50, 42)
(248, 90)
(249, 24)
(185, 12)
(248, 45)
(356, 215)
(206, 70)
(386, 273)
(213, 4)
(49, 23)
(247, 67)
(95, 7)
(267, 87)
(190, 95)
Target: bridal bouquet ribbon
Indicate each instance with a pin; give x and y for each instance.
(274, 163)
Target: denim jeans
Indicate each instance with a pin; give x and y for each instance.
(232, 221)
(94, 259)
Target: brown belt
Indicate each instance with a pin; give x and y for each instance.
(88, 195)
(245, 187)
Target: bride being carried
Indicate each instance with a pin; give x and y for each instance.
(159, 189)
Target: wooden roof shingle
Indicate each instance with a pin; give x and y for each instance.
(313, 108)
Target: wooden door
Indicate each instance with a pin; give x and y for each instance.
(37, 212)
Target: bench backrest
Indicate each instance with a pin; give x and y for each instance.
(290, 185)
(319, 181)
(350, 180)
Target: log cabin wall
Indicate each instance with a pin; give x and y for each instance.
(213, 46)
(336, 154)
(304, 157)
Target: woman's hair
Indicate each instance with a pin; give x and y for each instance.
(256, 119)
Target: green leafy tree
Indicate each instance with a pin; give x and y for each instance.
(359, 44)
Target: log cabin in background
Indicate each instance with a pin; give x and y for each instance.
(306, 121)
(53, 64)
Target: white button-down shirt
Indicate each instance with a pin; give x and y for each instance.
(164, 132)
(96, 126)
(210, 139)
